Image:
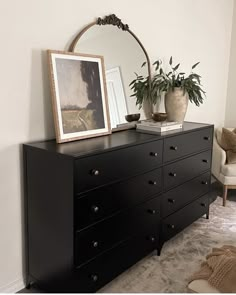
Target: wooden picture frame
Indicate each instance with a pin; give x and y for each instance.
(79, 95)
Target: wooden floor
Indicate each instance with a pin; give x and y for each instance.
(217, 190)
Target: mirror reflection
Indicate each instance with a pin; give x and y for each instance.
(123, 56)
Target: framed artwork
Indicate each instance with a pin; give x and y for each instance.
(79, 95)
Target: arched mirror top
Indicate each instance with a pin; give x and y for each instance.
(123, 55)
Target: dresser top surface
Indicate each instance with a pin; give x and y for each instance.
(113, 141)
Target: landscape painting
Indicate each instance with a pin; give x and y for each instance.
(79, 95)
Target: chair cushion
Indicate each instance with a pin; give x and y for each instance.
(231, 157)
(202, 286)
(229, 170)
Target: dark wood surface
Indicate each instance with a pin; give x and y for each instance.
(118, 227)
(112, 192)
(98, 204)
(50, 214)
(216, 191)
(114, 141)
(110, 167)
(181, 145)
(176, 222)
(180, 196)
(178, 172)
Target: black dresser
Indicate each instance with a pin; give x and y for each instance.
(95, 207)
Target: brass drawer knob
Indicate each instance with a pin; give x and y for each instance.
(204, 182)
(95, 244)
(207, 138)
(153, 182)
(172, 174)
(152, 211)
(95, 209)
(153, 154)
(94, 277)
(205, 161)
(95, 172)
(203, 204)
(174, 148)
(172, 226)
(172, 201)
(152, 239)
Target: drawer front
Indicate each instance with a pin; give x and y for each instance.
(107, 200)
(178, 197)
(102, 169)
(98, 238)
(184, 217)
(185, 144)
(184, 170)
(95, 274)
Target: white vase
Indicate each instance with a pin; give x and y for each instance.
(147, 108)
(176, 104)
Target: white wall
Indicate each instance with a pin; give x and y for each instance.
(189, 30)
(230, 114)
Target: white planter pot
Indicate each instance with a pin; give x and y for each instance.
(147, 109)
(176, 104)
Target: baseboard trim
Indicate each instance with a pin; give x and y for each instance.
(13, 287)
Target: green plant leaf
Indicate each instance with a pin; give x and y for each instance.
(156, 62)
(143, 64)
(171, 60)
(176, 67)
(194, 66)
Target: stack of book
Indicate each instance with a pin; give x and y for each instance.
(157, 127)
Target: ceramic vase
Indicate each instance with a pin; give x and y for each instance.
(147, 108)
(176, 104)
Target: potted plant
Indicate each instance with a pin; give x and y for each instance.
(178, 89)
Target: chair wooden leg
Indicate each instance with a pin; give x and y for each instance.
(225, 194)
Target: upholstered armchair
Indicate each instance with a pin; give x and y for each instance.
(223, 172)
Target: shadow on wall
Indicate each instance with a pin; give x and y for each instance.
(41, 124)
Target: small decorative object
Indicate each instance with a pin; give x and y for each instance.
(79, 97)
(178, 89)
(132, 117)
(159, 117)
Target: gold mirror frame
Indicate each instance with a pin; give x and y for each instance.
(111, 19)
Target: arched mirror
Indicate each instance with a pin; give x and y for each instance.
(123, 55)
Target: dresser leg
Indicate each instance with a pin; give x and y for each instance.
(225, 191)
(159, 249)
(207, 216)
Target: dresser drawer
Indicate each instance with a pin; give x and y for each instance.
(100, 203)
(184, 217)
(186, 169)
(95, 274)
(185, 144)
(104, 168)
(105, 234)
(178, 197)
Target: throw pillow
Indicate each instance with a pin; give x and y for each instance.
(228, 140)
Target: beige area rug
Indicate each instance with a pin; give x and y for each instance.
(181, 256)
